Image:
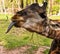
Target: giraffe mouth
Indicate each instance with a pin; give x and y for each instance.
(10, 26)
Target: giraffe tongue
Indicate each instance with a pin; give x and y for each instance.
(10, 26)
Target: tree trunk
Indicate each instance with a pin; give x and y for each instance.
(18, 3)
(36, 1)
(26, 2)
(3, 6)
(22, 4)
(50, 6)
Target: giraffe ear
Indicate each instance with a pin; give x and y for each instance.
(45, 4)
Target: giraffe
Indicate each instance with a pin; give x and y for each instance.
(34, 19)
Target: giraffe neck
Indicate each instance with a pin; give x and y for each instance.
(51, 32)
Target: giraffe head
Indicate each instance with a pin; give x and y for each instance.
(30, 18)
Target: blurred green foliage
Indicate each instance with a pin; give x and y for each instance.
(46, 51)
(55, 9)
